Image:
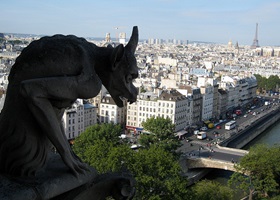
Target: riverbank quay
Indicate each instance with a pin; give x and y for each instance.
(252, 130)
(248, 131)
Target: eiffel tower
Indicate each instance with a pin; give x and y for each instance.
(255, 41)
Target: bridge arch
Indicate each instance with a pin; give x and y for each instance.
(193, 163)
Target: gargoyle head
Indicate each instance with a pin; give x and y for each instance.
(123, 71)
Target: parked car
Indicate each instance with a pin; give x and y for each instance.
(122, 136)
(218, 127)
(204, 128)
(245, 115)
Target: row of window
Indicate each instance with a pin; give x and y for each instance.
(73, 134)
(132, 124)
(107, 106)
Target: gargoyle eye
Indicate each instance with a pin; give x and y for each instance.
(129, 78)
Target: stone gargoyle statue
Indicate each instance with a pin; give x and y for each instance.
(47, 77)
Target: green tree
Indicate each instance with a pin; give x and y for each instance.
(158, 175)
(271, 83)
(210, 190)
(157, 171)
(161, 133)
(259, 171)
(105, 157)
(105, 137)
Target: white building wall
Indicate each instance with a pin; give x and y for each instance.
(167, 61)
(109, 112)
(207, 102)
(73, 120)
(146, 108)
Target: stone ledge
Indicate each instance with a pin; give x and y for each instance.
(54, 180)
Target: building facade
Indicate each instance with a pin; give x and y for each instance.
(76, 119)
(167, 104)
(109, 112)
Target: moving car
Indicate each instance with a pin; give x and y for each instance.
(204, 128)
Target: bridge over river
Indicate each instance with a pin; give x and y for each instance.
(215, 157)
(199, 155)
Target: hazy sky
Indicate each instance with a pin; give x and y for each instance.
(196, 20)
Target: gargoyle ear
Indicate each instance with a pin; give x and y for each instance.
(117, 55)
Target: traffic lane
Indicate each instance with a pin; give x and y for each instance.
(217, 155)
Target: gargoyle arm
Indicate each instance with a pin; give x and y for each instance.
(44, 96)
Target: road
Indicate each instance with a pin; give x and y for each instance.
(207, 147)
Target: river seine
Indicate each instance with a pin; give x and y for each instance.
(270, 137)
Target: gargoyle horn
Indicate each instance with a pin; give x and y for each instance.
(133, 41)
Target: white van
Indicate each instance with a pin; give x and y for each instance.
(201, 135)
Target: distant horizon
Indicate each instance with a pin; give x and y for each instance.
(141, 39)
(216, 21)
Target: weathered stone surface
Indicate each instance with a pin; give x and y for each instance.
(51, 181)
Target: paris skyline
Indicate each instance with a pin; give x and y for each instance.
(211, 21)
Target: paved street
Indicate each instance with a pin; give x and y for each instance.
(191, 146)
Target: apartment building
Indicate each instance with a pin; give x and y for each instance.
(174, 105)
(77, 118)
(252, 88)
(230, 85)
(109, 112)
(196, 97)
(222, 104)
(167, 104)
(90, 114)
(73, 120)
(241, 91)
(207, 93)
